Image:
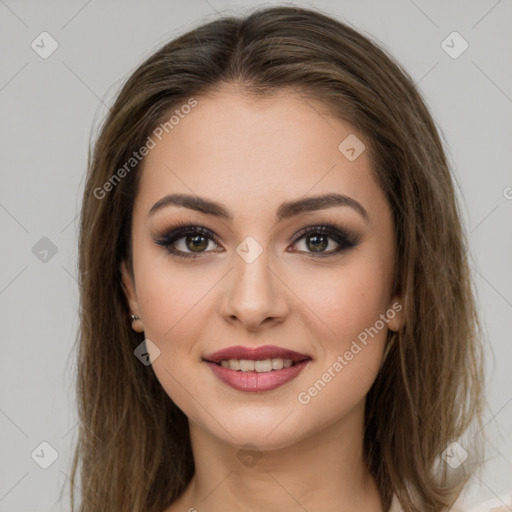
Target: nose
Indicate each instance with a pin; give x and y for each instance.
(254, 295)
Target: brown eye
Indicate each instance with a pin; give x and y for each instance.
(324, 240)
(317, 243)
(196, 243)
(188, 241)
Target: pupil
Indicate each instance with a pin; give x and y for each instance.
(319, 242)
(198, 242)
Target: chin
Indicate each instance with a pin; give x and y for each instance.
(268, 431)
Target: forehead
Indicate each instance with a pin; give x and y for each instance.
(268, 149)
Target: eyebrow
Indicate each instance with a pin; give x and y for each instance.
(286, 210)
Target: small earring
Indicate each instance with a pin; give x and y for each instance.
(135, 317)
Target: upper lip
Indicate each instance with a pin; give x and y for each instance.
(255, 353)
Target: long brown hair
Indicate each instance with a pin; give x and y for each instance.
(133, 451)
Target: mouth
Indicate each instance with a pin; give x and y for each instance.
(256, 369)
(261, 359)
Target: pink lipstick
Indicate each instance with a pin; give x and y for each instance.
(256, 369)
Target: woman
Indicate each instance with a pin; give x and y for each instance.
(276, 309)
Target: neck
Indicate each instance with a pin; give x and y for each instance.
(323, 471)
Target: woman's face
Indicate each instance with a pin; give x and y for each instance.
(251, 277)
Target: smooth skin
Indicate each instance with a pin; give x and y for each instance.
(252, 155)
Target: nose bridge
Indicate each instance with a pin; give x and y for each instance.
(253, 294)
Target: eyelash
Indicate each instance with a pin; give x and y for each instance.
(168, 237)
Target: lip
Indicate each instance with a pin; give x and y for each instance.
(255, 353)
(255, 381)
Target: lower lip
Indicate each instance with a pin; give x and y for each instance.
(257, 381)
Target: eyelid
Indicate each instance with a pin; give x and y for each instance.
(336, 223)
(344, 238)
(168, 236)
(184, 227)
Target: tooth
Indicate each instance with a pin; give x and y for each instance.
(234, 364)
(277, 364)
(246, 365)
(263, 366)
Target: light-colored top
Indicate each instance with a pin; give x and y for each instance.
(496, 505)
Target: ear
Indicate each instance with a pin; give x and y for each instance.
(128, 284)
(395, 313)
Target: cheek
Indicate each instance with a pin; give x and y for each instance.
(169, 293)
(344, 308)
(171, 303)
(346, 298)
(350, 342)
(175, 305)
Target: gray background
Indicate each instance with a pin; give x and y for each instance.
(49, 107)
